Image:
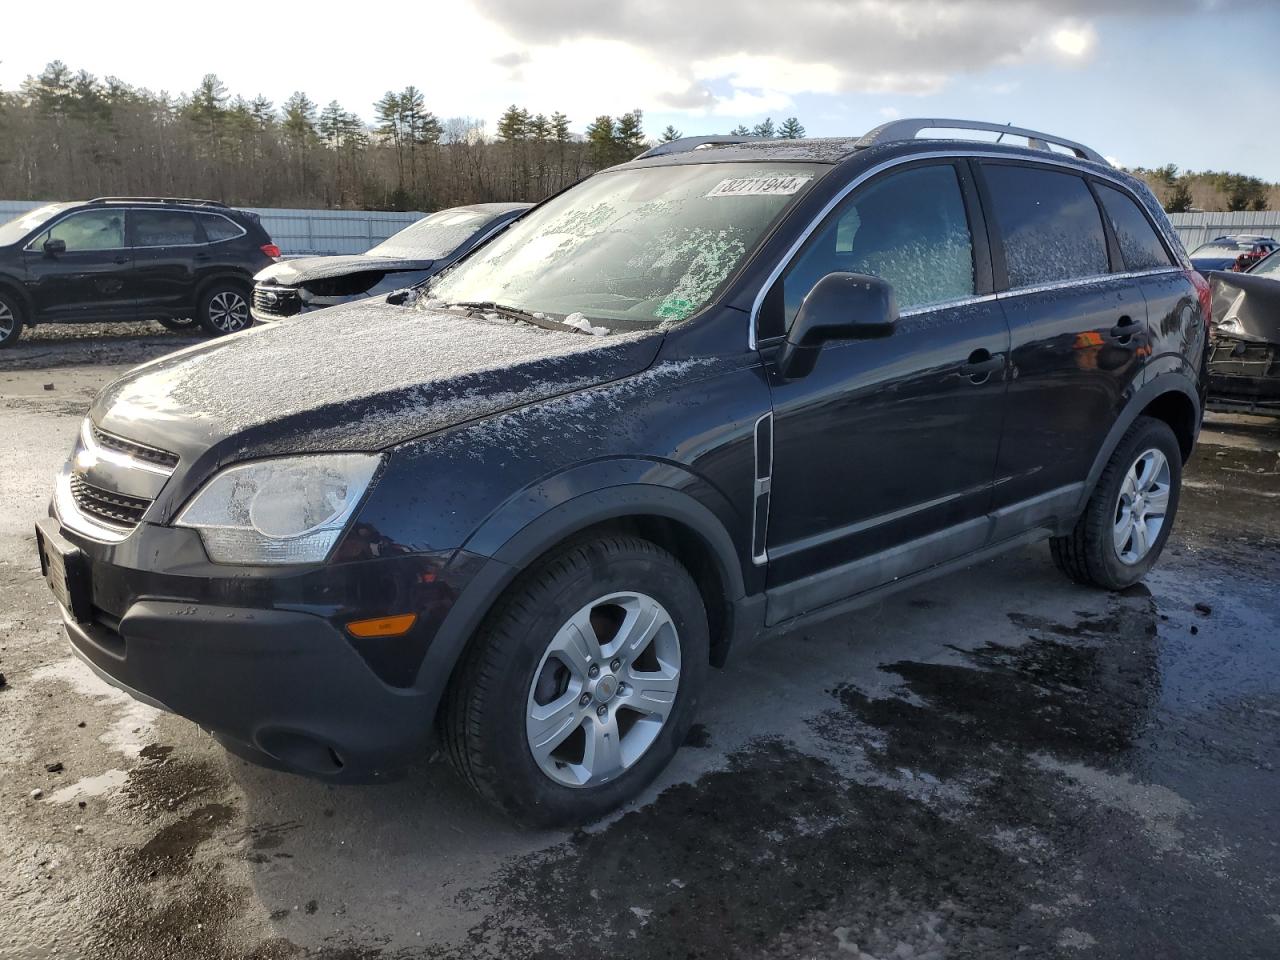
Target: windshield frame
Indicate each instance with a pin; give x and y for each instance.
(817, 170)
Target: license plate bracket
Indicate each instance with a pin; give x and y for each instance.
(66, 570)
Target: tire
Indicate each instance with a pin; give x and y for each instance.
(11, 316)
(178, 325)
(1106, 548)
(513, 676)
(224, 308)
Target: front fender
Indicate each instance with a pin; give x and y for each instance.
(544, 514)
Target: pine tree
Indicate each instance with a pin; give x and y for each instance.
(602, 141)
(1179, 200)
(669, 134)
(764, 130)
(299, 118)
(791, 129)
(629, 136)
(513, 125)
(560, 127)
(740, 130)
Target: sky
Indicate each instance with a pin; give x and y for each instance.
(1145, 82)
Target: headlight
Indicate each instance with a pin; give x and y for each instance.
(279, 511)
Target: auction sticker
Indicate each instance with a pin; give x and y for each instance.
(759, 186)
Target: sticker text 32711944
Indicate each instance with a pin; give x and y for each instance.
(758, 186)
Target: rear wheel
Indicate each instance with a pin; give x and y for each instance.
(10, 319)
(224, 308)
(582, 684)
(1124, 527)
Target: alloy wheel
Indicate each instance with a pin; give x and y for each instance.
(7, 320)
(229, 311)
(1141, 507)
(604, 689)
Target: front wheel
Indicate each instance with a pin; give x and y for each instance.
(10, 320)
(1128, 519)
(224, 308)
(582, 684)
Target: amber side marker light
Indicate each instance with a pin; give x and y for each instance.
(383, 626)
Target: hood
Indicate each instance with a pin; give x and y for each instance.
(289, 273)
(362, 376)
(1245, 306)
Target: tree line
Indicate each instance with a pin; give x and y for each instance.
(67, 134)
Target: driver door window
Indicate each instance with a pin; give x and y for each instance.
(92, 230)
(909, 228)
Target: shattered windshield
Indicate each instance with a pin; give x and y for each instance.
(432, 237)
(21, 225)
(644, 245)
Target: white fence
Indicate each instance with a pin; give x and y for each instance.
(299, 232)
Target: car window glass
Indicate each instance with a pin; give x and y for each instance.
(92, 230)
(909, 228)
(1140, 247)
(162, 228)
(1051, 225)
(218, 228)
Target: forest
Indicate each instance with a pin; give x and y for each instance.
(66, 134)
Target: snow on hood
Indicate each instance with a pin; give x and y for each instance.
(361, 376)
(289, 273)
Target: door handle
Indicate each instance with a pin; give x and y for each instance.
(981, 364)
(1124, 330)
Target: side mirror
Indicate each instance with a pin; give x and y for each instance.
(841, 306)
(54, 247)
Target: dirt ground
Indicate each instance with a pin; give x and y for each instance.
(999, 763)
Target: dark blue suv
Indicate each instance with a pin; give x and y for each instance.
(181, 262)
(688, 404)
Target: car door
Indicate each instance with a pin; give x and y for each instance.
(167, 247)
(883, 455)
(1079, 333)
(91, 277)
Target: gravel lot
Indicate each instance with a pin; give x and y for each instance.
(997, 764)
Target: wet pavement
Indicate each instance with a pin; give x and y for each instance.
(997, 764)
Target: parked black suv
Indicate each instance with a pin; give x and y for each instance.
(131, 258)
(693, 401)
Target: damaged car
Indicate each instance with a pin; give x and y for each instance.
(417, 252)
(687, 406)
(1232, 252)
(1244, 359)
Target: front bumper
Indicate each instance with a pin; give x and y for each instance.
(260, 657)
(282, 688)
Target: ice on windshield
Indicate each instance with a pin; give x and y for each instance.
(21, 225)
(432, 237)
(647, 245)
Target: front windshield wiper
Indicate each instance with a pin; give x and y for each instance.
(517, 313)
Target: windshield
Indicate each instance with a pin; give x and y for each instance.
(1268, 266)
(21, 225)
(1233, 249)
(642, 245)
(432, 237)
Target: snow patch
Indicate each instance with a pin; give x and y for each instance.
(101, 785)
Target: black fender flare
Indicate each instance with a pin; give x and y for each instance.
(537, 518)
(1171, 382)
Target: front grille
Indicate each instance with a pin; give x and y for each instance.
(139, 451)
(112, 509)
(276, 302)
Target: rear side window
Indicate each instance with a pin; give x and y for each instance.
(1140, 247)
(1050, 222)
(909, 228)
(163, 228)
(218, 228)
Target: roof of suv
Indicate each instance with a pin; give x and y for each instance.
(898, 133)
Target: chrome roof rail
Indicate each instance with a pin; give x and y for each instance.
(909, 129)
(185, 201)
(693, 143)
